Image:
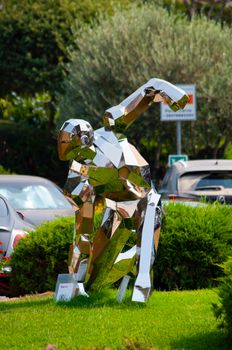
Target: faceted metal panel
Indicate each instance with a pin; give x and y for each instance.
(74, 136)
(106, 166)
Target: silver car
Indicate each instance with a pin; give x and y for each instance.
(210, 179)
(36, 198)
(12, 228)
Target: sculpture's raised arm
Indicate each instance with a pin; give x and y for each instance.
(155, 90)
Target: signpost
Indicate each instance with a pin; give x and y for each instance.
(172, 158)
(187, 114)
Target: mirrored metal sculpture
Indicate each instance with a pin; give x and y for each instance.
(105, 165)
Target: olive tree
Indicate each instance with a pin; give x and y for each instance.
(124, 51)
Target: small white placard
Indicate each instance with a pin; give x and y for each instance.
(65, 291)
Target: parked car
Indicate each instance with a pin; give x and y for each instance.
(36, 198)
(12, 229)
(210, 179)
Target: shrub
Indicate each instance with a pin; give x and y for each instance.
(194, 240)
(41, 256)
(4, 171)
(224, 310)
(31, 111)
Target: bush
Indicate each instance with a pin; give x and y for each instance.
(193, 242)
(30, 111)
(224, 310)
(4, 171)
(41, 256)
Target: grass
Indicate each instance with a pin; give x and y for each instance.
(170, 320)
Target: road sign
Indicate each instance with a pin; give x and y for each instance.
(172, 158)
(188, 113)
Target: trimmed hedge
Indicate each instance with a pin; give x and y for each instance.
(194, 241)
(41, 256)
(224, 309)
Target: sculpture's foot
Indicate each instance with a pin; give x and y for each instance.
(141, 294)
(80, 290)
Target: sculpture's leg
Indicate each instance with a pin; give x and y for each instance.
(122, 288)
(109, 264)
(142, 286)
(110, 223)
(81, 241)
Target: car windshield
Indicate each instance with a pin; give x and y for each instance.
(33, 196)
(202, 180)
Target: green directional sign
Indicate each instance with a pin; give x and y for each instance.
(172, 158)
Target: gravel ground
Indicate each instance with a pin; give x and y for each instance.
(27, 297)
(3, 298)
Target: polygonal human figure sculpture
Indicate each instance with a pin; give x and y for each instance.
(105, 165)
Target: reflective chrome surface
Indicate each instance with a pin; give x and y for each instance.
(106, 167)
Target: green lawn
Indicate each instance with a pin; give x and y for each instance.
(170, 320)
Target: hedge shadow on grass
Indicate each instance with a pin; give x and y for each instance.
(6, 306)
(215, 340)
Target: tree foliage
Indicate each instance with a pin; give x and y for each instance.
(124, 51)
(28, 149)
(35, 37)
(32, 110)
(217, 10)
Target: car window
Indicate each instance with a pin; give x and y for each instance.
(3, 209)
(202, 180)
(34, 196)
(216, 179)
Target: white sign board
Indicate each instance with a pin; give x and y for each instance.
(65, 291)
(188, 113)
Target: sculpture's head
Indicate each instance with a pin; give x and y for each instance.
(75, 136)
